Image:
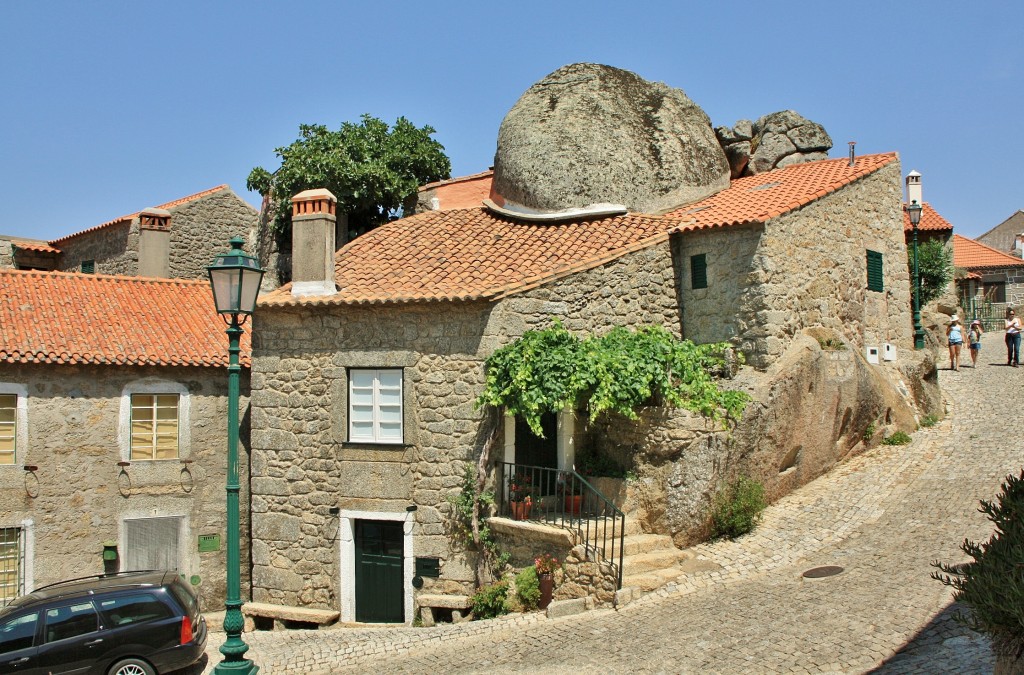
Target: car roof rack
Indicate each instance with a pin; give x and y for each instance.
(94, 576)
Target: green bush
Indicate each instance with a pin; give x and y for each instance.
(929, 421)
(737, 508)
(869, 432)
(527, 588)
(990, 584)
(489, 601)
(898, 438)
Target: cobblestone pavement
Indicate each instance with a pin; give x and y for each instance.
(883, 517)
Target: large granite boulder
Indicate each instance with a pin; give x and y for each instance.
(589, 134)
(776, 140)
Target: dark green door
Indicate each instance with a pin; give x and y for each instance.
(379, 596)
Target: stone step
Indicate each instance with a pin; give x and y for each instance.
(645, 543)
(652, 580)
(655, 560)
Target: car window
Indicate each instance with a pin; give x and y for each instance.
(70, 621)
(18, 633)
(126, 609)
(186, 596)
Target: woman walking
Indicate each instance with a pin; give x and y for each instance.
(1012, 339)
(955, 334)
(974, 341)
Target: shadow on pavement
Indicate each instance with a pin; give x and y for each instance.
(943, 646)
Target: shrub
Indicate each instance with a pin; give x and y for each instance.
(898, 438)
(990, 583)
(737, 508)
(929, 421)
(489, 601)
(527, 588)
(869, 432)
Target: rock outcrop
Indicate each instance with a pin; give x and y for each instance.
(589, 134)
(773, 141)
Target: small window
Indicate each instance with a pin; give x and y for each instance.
(698, 271)
(8, 427)
(154, 426)
(18, 633)
(874, 271)
(12, 580)
(151, 543)
(88, 267)
(70, 621)
(375, 406)
(994, 291)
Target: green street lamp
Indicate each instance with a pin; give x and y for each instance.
(235, 277)
(914, 211)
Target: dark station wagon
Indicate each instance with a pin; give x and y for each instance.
(132, 623)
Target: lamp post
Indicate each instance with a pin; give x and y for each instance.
(914, 211)
(235, 277)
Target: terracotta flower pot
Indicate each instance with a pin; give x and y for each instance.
(573, 504)
(547, 586)
(520, 510)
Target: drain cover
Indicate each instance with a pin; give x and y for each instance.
(821, 572)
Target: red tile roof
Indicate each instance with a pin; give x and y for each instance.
(755, 199)
(37, 247)
(132, 216)
(63, 317)
(972, 255)
(931, 221)
(471, 253)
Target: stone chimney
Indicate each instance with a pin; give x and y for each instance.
(313, 234)
(155, 243)
(914, 188)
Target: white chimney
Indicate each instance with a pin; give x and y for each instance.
(914, 188)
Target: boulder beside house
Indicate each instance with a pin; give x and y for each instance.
(363, 391)
(113, 430)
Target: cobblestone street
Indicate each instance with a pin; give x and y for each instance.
(883, 517)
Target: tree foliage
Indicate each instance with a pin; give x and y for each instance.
(374, 170)
(547, 370)
(935, 265)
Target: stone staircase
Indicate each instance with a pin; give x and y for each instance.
(649, 560)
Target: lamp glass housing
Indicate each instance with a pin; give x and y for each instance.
(914, 211)
(235, 278)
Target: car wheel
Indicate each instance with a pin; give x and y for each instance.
(131, 667)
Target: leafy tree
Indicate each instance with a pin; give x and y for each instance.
(374, 170)
(935, 265)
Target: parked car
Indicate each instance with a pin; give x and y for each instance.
(131, 623)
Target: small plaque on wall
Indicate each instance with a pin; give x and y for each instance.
(208, 543)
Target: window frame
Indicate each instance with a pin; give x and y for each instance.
(154, 420)
(20, 435)
(698, 271)
(376, 437)
(875, 279)
(155, 386)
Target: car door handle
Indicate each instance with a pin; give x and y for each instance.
(94, 642)
(17, 662)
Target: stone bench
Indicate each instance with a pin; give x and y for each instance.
(458, 604)
(266, 616)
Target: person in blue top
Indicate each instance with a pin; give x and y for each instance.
(974, 341)
(955, 333)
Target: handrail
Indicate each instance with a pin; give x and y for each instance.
(565, 499)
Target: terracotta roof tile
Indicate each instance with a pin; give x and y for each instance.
(471, 253)
(931, 221)
(972, 255)
(63, 317)
(38, 248)
(755, 199)
(132, 216)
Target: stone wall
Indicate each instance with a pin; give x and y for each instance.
(114, 248)
(6, 254)
(807, 268)
(78, 496)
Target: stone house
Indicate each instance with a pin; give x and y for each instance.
(173, 240)
(994, 279)
(113, 432)
(366, 368)
(1007, 236)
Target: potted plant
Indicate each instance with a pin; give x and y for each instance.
(990, 584)
(545, 564)
(520, 495)
(570, 492)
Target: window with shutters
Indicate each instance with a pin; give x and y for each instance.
(12, 563)
(88, 267)
(874, 271)
(154, 426)
(151, 543)
(698, 271)
(13, 423)
(375, 405)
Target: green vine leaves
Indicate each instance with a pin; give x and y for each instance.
(620, 371)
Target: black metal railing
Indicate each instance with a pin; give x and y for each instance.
(564, 499)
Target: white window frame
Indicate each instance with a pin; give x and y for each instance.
(20, 423)
(375, 437)
(155, 386)
(184, 533)
(28, 538)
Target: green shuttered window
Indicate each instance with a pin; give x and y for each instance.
(698, 271)
(874, 271)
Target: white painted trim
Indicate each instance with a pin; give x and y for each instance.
(20, 423)
(154, 385)
(347, 543)
(29, 530)
(565, 437)
(188, 556)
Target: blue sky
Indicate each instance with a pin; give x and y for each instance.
(110, 107)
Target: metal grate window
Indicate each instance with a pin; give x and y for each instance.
(874, 271)
(12, 563)
(375, 406)
(8, 427)
(699, 271)
(151, 543)
(154, 426)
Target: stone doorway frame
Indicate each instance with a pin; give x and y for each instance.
(347, 552)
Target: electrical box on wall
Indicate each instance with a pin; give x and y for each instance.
(889, 352)
(428, 567)
(872, 355)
